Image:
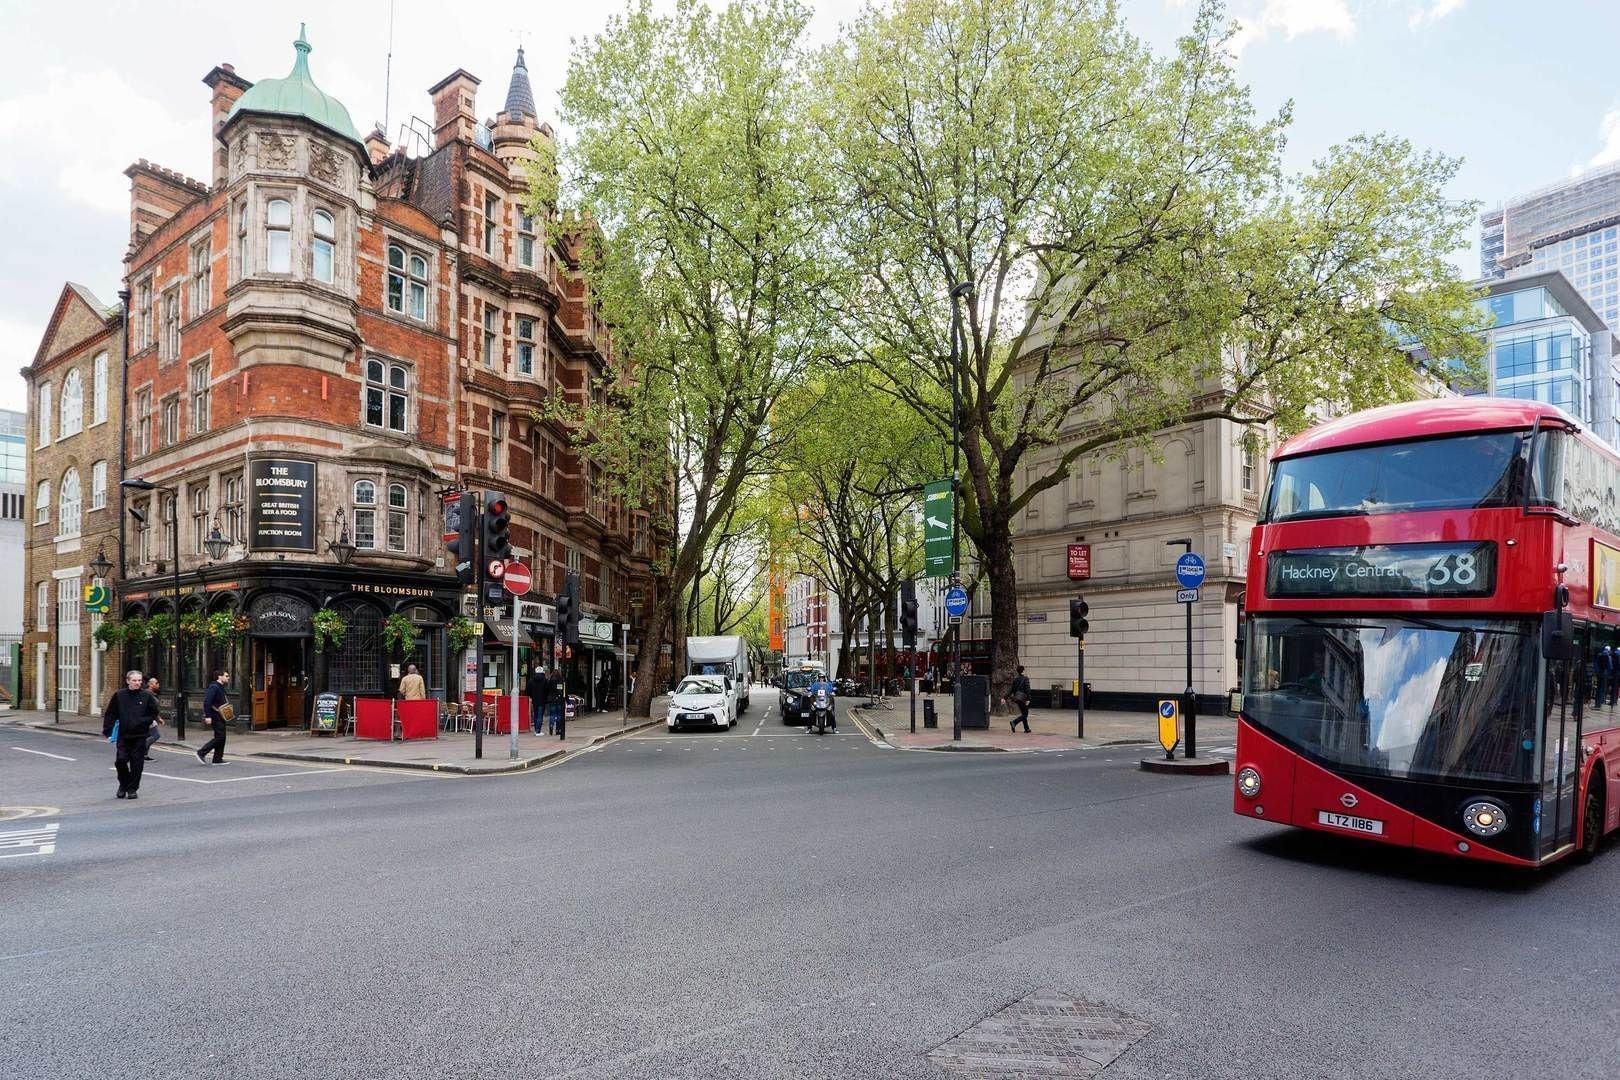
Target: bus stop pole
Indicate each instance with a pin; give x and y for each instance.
(1191, 707)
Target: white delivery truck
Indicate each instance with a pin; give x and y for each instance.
(726, 656)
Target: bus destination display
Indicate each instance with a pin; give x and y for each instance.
(1384, 571)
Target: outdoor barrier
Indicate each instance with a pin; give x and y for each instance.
(419, 719)
(373, 719)
(503, 713)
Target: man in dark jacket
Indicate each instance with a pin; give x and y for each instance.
(1020, 697)
(132, 711)
(214, 698)
(537, 688)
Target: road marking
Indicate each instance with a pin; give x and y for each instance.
(17, 813)
(42, 838)
(239, 779)
(41, 753)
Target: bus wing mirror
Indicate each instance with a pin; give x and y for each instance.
(1558, 636)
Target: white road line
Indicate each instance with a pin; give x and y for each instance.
(41, 753)
(239, 779)
(41, 838)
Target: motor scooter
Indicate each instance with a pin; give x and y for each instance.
(821, 712)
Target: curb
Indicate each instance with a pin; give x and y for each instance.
(550, 758)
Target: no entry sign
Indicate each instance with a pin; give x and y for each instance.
(516, 578)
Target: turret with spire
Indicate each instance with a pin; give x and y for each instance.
(519, 96)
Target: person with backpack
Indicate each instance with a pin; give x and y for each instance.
(126, 722)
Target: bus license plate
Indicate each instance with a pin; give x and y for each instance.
(1353, 824)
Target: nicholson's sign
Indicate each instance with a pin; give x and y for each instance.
(1384, 570)
(281, 507)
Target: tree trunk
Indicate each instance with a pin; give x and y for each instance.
(1003, 616)
(652, 640)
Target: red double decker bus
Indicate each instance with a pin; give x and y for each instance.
(1433, 616)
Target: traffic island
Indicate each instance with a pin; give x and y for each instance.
(1193, 766)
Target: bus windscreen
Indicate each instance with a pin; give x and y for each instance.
(1455, 472)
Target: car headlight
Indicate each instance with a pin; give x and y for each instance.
(1248, 782)
(1484, 818)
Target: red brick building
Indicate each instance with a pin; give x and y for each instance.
(326, 336)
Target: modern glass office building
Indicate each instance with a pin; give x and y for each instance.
(1572, 225)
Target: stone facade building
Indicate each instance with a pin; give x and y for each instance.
(325, 338)
(75, 460)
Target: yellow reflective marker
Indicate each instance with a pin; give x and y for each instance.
(1169, 724)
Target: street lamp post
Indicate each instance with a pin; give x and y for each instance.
(1189, 706)
(143, 484)
(958, 291)
(100, 568)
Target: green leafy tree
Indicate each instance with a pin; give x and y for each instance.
(1139, 259)
(693, 160)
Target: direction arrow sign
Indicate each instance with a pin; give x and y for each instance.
(1190, 571)
(956, 601)
(1169, 718)
(1183, 596)
(516, 579)
(939, 509)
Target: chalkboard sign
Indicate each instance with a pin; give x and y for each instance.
(327, 707)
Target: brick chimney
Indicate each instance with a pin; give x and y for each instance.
(156, 194)
(455, 101)
(377, 145)
(227, 86)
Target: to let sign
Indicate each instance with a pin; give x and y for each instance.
(1079, 562)
(281, 507)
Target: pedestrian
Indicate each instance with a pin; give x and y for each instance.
(602, 686)
(1020, 697)
(411, 687)
(537, 687)
(558, 699)
(218, 712)
(128, 717)
(152, 688)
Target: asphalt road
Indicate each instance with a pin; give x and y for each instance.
(756, 905)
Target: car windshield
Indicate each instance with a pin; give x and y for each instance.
(1460, 471)
(798, 680)
(700, 686)
(1398, 697)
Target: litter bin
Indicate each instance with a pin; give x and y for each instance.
(1057, 696)
(974, 700)
(930, 718)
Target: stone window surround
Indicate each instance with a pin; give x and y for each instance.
(366, 383)
(381, 507)
(100, 388)
(135, 418)
(200, 238)
(302, 203)
(411, 246)
(206, 361)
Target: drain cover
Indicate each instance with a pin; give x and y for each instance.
(1045, 1034)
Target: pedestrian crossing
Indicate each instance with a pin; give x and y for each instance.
(35, 840)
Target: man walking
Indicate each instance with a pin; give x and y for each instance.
(537, 688)
(214, 709)
(411, 687)
(129, 716)
(152, 687)
(1020, 697)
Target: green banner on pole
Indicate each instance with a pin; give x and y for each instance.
(939, 506)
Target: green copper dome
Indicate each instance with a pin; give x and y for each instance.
(297, 95)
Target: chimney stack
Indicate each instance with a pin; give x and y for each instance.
(377, 148)
(227, 86)
(455, 101)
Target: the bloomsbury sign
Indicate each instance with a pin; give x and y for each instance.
(281, 514)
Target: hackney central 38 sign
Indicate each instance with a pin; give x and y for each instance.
(281, 504)
(1384, 570)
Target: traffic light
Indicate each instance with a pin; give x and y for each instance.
(1078, 609)
(497, 528)
(460, 512)
(908, 613)
(568, 610)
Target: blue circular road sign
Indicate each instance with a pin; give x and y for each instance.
(956, 601)
(1167, 709)
(1190, 571)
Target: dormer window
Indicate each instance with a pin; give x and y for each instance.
(278, 236)
(322, 246)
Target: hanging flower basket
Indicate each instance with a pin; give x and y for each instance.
(328, 628)
(160, 628)
(463, 633)
(399, 634)
(136, 632)
(193, 625)
(110, 634)
(224, 627)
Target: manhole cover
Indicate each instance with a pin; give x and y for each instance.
(1045, 1034)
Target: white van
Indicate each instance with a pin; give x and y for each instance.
(726, 656)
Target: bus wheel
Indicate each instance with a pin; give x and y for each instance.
(1592, 821)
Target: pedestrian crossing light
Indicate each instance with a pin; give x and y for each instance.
(497, 527)
(1078, 625)
(460, 515)
(568, 610)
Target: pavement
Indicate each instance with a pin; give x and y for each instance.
(772, 905)
(1050, 729)
(453, 752)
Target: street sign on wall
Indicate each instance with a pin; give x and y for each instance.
(1079, 562)
(939, 508)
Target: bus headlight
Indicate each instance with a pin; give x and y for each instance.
(1248, 782)
(1484, 818)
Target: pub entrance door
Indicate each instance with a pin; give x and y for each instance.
(280, 675)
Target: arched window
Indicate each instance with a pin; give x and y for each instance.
(278, 236)
(398, 513)
(365, 515)
(388, 390)
(68, 514)
(322, 246)
(98, 399)
(407, 282)
(72, 404)
(42, 502)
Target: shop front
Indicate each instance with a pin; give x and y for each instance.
(598, 663)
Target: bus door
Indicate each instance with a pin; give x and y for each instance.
(1562, 693)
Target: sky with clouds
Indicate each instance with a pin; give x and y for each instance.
(88, 89)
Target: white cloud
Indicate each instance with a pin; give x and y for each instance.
(1609, 132)
(1434, 12)
(1292, 19)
